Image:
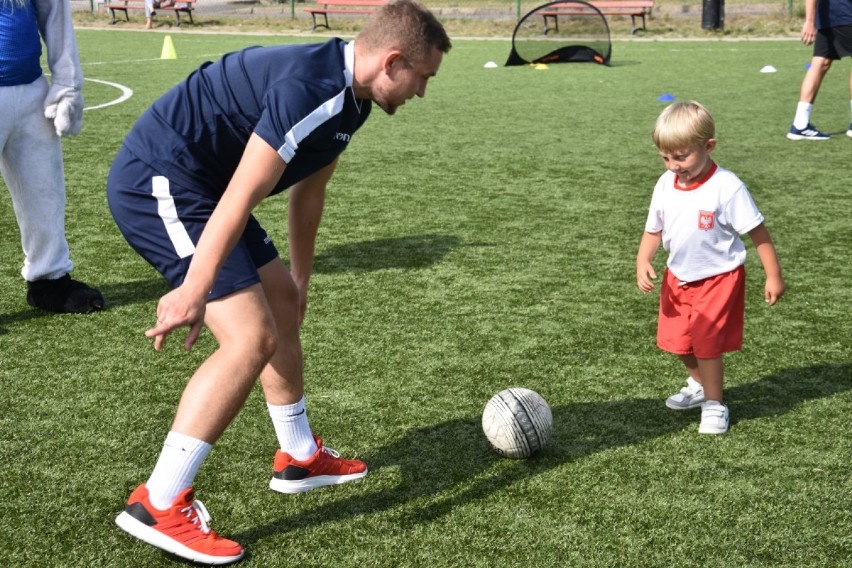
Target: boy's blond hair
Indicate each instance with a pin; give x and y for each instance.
(683, 125)
(405, 25)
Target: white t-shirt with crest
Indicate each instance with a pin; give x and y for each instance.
(701, 224)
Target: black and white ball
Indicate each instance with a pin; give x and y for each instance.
(517, 422)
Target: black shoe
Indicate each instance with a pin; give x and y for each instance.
(64, 295)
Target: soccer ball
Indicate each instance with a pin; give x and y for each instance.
(517, 422)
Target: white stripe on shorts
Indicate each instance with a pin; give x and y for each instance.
(168, 213)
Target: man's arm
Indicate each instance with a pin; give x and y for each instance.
(307, 199)
(257, 173)
(809, 25)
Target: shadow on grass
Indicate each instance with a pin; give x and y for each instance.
(115, 294)
(417, 251)
(135, 292)
(624, 63)
(580, 430)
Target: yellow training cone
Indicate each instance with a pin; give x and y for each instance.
(168, 49)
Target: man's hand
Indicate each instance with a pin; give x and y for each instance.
(177, 309)
(808, 32)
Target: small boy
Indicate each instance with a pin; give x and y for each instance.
(698, 210)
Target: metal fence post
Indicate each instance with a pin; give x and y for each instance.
(713, 14)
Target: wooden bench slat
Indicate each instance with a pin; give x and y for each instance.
(326, 7)
(181, 6)
(633, 8)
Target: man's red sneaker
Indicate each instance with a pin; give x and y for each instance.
(325, 467)
(181, 529)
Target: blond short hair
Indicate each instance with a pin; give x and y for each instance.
(405, 25)
(683, 125)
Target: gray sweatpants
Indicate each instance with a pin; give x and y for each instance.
(31, 165)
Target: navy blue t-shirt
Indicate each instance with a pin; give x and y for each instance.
(833, 13)
(298, 98)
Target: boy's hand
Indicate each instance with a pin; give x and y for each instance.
(774, 289)
(645, 276)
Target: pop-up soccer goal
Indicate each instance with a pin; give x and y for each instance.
(561, 32)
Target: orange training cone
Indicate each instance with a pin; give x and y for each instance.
(168, 49)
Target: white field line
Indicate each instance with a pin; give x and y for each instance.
(126, 93)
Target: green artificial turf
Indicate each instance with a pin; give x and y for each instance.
(484, 237)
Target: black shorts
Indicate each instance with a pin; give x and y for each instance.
(163, 221)
(833, 43)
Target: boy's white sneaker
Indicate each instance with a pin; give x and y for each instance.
(714, 418)
(690, 396)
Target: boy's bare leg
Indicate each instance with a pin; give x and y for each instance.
(709, 372)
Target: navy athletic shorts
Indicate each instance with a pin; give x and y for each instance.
(833, 43)
(163, 221)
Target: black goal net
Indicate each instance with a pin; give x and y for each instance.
(561, 32)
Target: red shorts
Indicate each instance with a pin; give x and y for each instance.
(704, 318)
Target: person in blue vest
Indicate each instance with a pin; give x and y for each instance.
(35, 114)
(182, 190)
(828, 26)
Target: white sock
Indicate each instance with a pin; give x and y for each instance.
(803, 115)
(292, 429)
(176, 468)
(850, 122)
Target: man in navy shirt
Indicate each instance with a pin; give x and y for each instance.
(828, 26)
(182, 189)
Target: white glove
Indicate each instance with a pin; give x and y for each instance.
(64, 106)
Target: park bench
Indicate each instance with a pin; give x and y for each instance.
(633, 8)
(325, 7)
(181, 6)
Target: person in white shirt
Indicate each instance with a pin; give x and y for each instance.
(698, 212)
